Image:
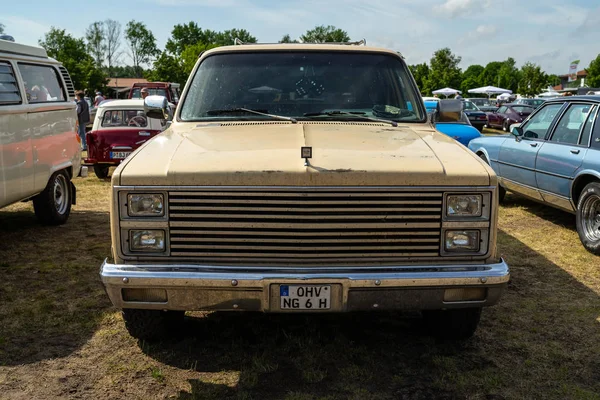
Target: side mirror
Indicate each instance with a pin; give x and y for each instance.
(517, 131)
(449, 110)
(157, 107)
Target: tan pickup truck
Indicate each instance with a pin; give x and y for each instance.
(302, 178)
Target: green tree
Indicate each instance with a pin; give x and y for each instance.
(532, 79)
(142, 44)
(552, 80)
(420, 72)
(593, 78)
(190, 56)
(508, 75)
(444, 71)
(184, 35)
(287, 39)
(471, 78)
(112, 36)
(489, 77)
(96, 41)
(72, 53)
(323, 34)
(227, 37)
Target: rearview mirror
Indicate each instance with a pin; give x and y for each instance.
(157, 107)
(449, 110)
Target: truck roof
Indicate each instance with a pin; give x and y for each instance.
(154, 84)
(22, 49)
(301, 47)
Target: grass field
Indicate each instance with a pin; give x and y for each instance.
(61, 338)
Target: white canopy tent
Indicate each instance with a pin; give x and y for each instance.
(504, 96)
(446, 92)
(490, 90)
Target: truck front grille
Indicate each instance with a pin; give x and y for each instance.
(304, 227)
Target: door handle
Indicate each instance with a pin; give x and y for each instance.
(533, 144)
(575, 151)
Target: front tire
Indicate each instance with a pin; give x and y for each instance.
(151, 325)
(101, 171)
(456, 324)
(506, 126)
(53, 205)
(588, 218)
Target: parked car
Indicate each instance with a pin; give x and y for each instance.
(484, 104)
(554, 157)
(535, 103)
(302, 178)
(40, 150)
(507, 115)
(477, 118)
(120, 128)
(460, 130)
(169, 90)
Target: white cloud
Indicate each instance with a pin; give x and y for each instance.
(454, 8)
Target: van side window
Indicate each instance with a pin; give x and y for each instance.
(42, 83)
(9, 91)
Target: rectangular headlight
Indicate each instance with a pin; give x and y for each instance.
(464, 205)
(148, 240)
(145, 205)
(462, 241)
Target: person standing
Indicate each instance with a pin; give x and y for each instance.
(98, 99)
(144, 92)
(83, 117)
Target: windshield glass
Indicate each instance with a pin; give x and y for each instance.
(151, 92)
(470, 106)
(522, 109)
(293, 84)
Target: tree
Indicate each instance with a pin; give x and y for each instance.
(532, 79)
(489, 77)
(184, 35)
(323, 34)
(167, 68)
(142, 44)
(552, 80)
(287, 39)
(71, 52)
(227, 37)
(190, 56)
(96, 41)
(113, 43)
(420, 72)
(444, 71)
(471, 78)
(593, 78)
(508, 75)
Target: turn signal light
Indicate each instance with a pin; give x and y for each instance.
(464, 294)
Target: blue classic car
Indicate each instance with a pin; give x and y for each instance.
(461, 131)
(554, 157)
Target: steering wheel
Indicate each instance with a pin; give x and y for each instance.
(138, 121)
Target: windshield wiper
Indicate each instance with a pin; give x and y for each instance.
(357, 114)
(250, 111)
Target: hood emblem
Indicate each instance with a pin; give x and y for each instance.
(306, 153)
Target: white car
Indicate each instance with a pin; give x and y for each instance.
(39, 146)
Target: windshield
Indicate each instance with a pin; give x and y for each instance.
(522, 109)
(293, 84)
(151, 92)
(470, 106)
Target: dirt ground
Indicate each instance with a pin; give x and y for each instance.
(60, 338)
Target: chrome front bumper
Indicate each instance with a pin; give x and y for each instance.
(193, 287)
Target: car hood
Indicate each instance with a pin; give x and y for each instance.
(268, 153)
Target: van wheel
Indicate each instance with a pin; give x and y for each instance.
(101, 171)
(151, 324)
(588, 218)
(501, 190)
(456, 324)
(53, 205)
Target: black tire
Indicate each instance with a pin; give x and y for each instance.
(501, 190)
(588, 218)
(152, 325)
(457, 324)
(101, 171)
(505, 126)
(53, 205)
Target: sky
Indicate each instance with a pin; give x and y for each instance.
(551, 33)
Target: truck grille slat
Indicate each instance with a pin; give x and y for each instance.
(314, 227)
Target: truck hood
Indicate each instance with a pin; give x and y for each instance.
(268, 154)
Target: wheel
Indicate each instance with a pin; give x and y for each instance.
(506, 126)
(588, 218)
(151, 324)
(501, 190)
(53, 205)
(101, 171)
(458, 324)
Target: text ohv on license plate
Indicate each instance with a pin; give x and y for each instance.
(305, 297)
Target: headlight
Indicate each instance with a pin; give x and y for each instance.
(147, 240)
(462, 241)
(463, 205)
(145, 205)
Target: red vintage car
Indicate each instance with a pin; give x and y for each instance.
(119, 128)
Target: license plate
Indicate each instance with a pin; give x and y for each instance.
(305, 297)
(119, 154)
